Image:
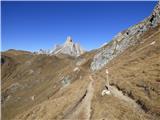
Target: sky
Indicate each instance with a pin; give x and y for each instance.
(41, 25)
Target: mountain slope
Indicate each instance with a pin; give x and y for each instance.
(30, 78)
(136, 72)
(42, 86)
(137, 77)
(125, 39)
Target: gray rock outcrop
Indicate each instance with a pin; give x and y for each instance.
(69, 48)
(125, 39)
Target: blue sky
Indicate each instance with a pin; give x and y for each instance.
(40, 25)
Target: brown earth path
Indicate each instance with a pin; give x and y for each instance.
(83, 110)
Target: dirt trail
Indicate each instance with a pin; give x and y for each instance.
(115, 92)
(83, 110)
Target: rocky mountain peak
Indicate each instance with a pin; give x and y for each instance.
(69, 40)
(69, 48)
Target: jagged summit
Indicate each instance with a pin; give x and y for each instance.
(69, 48)
(69, 40)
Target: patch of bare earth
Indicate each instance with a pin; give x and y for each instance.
(83, 110)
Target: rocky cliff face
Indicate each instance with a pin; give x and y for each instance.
(69, 48)
(125, 39)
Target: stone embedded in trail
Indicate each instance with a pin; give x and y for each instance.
(66, 81)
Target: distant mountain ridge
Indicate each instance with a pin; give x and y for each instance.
(68, 48)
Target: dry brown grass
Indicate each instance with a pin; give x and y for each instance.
(136, 72)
